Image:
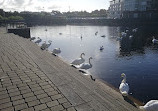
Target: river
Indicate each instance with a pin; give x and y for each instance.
(135, 55)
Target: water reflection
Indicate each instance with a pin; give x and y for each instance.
(133, 40)
(131, 53)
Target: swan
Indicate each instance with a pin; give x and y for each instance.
(86, 65)
(152, 105)
(118, 38)
(124, 88)
(56, 51)
(123, 34)
(32, 38)
(154, 40)
(79, 61)
(135, 30)
(96, 32)
(103, 36)
(101, 48)
(45, 45)
(39, 40)
(81, 36)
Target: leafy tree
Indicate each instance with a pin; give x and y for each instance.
(15, 18)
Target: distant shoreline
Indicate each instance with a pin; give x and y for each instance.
(101, 21)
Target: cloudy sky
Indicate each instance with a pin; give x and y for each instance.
(49, 5)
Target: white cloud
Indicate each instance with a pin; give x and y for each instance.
(49, 5)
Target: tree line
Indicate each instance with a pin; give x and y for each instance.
(36, 16)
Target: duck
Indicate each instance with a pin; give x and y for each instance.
(79, 60)
(101, 48)
(45, 45)
(86, 65)
(152, 105)
(56, 51)
(124, 87)
(39, 40)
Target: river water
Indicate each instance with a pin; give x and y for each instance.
(134, 54)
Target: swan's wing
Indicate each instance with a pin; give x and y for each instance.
(151, 105)
(124, 87)
(78, 61)
(85, 66)
(56, 51)
(151, 102)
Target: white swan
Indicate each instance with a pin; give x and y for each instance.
(86, 65)
(154, 40)
(38, 41)
(101, 48)
(124, 88)
(79, 61)
(56, 51)
(45, 45)
(135, 30)
(152, 105)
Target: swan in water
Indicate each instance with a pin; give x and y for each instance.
(135, 30)
(86, 65)
(103, 36)
(101, 48)
(79, 61)
(155, 41)
(45, 45)
(56, 51)
(38, 41)
(96, 33)
(32, 38)
(152, 105)
(81, 36)
(124, 88)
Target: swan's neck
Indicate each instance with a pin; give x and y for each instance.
(90, 61)
(81, 55)
(124, 79)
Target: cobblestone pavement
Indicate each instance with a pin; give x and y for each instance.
(33, 80)
(24, 86)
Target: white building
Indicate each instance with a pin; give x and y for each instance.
(115, 9)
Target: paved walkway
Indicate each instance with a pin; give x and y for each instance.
(33, 80)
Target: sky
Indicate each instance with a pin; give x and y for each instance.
(49, 5)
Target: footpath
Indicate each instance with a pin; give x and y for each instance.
(35, 80)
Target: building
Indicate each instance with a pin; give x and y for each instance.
(115, 9)
(133, 9)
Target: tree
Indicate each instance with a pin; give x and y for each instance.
(15, 18)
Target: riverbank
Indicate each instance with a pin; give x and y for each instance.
(32, 79)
